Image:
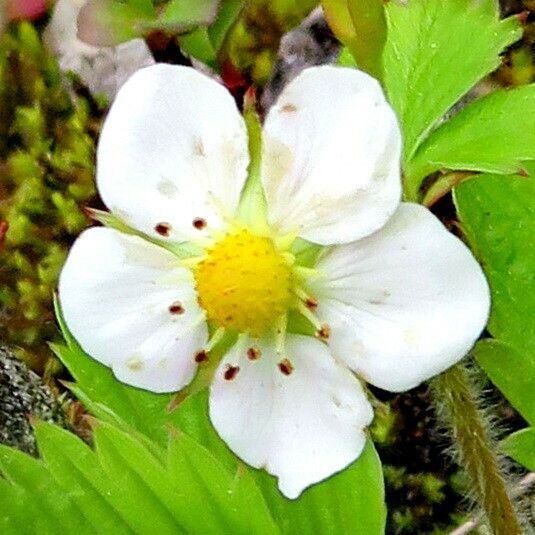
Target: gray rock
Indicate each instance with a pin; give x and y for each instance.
(23, 394)
(312, 43)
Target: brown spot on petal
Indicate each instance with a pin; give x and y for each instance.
(198, 148)
(231, 372)
(176, 308)
(253, 353)
(163, 229)
(167, 188)
(134, 364)
(285, 366)
(289, 108)
(199, 223)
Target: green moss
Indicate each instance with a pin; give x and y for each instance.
(46, 176)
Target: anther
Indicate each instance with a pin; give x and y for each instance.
(324, 332)
(176, 308)
(199, 223)
(201, 356)
(285, 366)
(253, 353)
(163, 229)
(311, 303)
(231, 372)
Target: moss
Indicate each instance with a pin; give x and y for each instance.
(46, 176)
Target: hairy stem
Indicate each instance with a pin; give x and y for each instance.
(456, 404)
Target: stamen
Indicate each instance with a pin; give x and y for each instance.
(231, 372)
(306, 272)
(215, 339)
(199, 223)
(253, 353)
(285, 366)
(324, 332)
(289, 257)
(176, 308)
(310, 316)
(163, 229)
(201, 356)
(280, 334)
(310, 302)
(283, 243)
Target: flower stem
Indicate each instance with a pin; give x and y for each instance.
(455, 400)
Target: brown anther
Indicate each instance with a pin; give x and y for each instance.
(522, 172)
(199, 223)
(231, 372)
(176, 308)
(311, 303)
(285, 366)
(163, 229)
(201, 356)
(253, 353)
(289, 108)
(324, 332)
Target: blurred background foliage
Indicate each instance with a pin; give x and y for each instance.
(46, 177)
(49, 124)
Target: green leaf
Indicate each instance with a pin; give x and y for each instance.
(76, 468)
(123, 487)
(229, 11)
(56, 510)
(512, 372)
(144, 411)
(242, 510)
(487, 136)
(205, 43)
(197, 12)
(252, 52)
(521, 447)
(349, 502)
(361, 26)
(436, 51)
(498, 219)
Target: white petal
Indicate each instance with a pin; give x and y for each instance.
(405, 303)
(302, 427)
(173, 150)
(115, 291)
(331, 166)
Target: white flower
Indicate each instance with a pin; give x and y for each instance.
(102, 69)
(394, 297)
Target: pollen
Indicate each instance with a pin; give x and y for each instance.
(244, 284)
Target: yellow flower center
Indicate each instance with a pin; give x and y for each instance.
(244, 284)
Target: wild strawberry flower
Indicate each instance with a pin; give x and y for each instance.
(392, 296)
